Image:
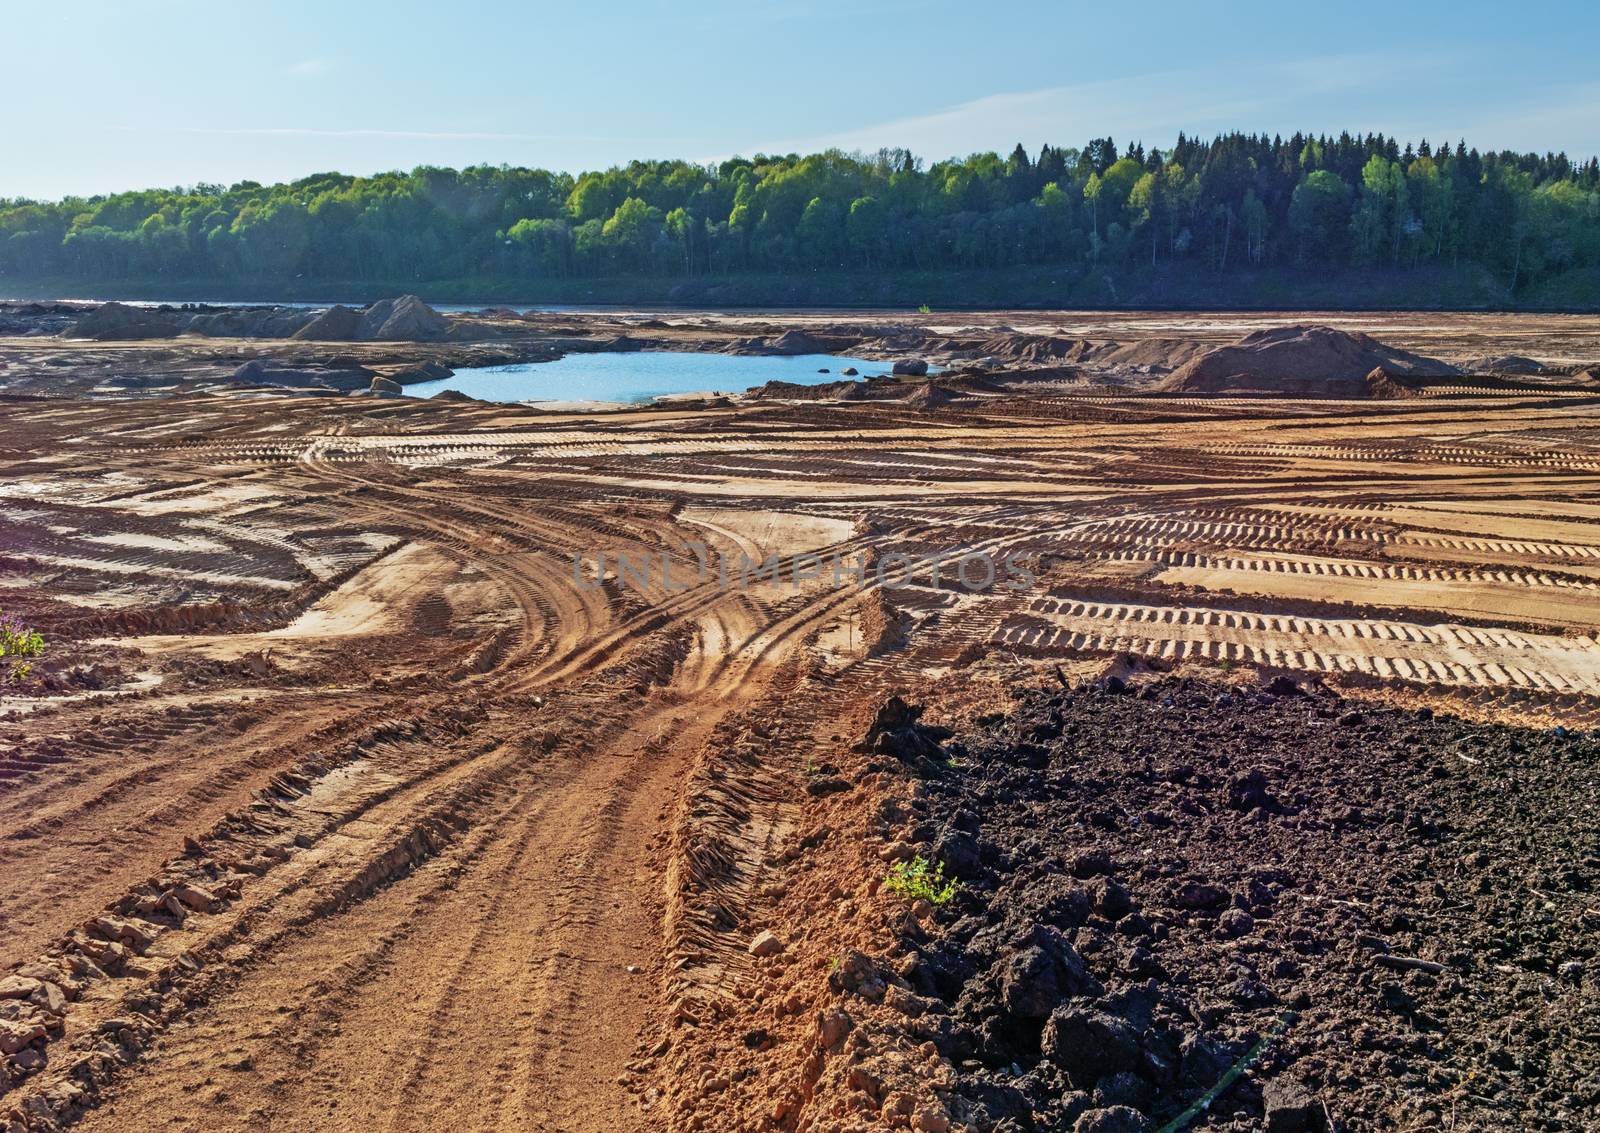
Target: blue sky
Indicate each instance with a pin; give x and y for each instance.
(104, 96)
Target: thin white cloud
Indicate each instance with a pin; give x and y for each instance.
(423, 135)
(1152, 107)
(1558, 119)
(310, 68)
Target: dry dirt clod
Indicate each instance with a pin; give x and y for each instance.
(765, 943)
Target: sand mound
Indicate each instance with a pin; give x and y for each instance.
(930, 396)
(1300, 361)
(113, 322)
(1034, 349)
(1503, 364)
(797, 342)
(1160, 353)
(425, 371)
(406, 319)
(1382, 386)
(336, 324)
(271, 372)
(789, 343)
(250, 322)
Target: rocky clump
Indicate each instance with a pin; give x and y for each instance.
(897, 731)
(36, 998)
(1315, 915)
(1303, 361)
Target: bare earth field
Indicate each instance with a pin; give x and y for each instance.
(345, 801)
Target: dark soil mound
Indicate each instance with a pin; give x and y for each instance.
(118, 322)
(1387, 918)
(1299, 361)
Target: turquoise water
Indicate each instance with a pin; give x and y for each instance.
(639, 376)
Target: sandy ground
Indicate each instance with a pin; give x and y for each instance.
(489, 835)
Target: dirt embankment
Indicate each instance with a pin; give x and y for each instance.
(406, 319)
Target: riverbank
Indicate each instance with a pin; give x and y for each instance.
(1185, 288)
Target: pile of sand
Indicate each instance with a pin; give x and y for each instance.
(930, 396)
(1039, 349)
(406, 319)
(118, 322)
(788, 344)
(1153, 353)
(1303, 361)
(249, 322)
(346, 375)
(1503, 364)
(1382, 386)
(336, 324)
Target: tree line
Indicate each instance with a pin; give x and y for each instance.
(1236, 201)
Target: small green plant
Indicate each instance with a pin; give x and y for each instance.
(924, 309)
(17, 641)
(920, 880)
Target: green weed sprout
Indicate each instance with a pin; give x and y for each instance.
(920, 880)
(17, 641)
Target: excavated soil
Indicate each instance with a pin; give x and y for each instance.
(1388, 916)
(355, 790)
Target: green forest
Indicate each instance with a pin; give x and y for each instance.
(1298, 211)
